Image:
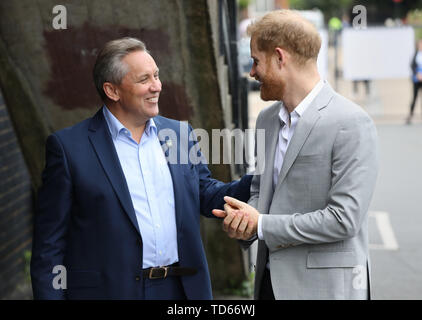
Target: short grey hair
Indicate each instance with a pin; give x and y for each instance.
(109, 66)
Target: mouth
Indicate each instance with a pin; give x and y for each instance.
(153, 99)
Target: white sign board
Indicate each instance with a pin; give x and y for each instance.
(377, 52)
(322, 61)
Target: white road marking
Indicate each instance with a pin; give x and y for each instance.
(386, 231)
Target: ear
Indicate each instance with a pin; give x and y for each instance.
(111, 91)
(281, 56)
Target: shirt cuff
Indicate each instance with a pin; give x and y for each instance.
(260, 235)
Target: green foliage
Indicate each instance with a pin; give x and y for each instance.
(330, 8)
(245, 289)
(418, 34)
(243, 4)
(414, 18)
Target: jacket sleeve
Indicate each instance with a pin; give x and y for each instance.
(212, 191)
(253, 201)
(254, 196)
(50, 222)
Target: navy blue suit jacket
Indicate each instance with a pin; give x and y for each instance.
(85, 219)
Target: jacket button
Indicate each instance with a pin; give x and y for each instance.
(138, 278)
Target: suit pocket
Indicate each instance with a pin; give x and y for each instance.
(340, 259)
(308, 159)
(83, 279)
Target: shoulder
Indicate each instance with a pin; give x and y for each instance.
(167, 123)
(73, 132)
(79, 132)
(346, 112)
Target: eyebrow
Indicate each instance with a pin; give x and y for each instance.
(146, 74)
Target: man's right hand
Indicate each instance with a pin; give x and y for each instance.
(240, 219)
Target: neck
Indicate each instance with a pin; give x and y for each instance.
(135, 126)
(299, 86)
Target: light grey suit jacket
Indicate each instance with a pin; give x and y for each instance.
(315, 222)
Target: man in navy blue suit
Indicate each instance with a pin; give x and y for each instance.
(114, 215)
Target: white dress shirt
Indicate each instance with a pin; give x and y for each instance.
(285, 135)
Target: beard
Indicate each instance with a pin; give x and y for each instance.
(272, 89)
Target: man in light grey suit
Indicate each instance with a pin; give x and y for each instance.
(309, 208)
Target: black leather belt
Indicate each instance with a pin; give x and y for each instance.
(169, 271)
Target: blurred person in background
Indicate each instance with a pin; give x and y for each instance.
(367, 85)
(416, 78)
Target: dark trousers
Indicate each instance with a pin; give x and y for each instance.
(170, 288)
(266, 292)
(416, 87)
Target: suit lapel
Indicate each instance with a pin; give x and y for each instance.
(303, 129)
(100, 138)
(272, 127)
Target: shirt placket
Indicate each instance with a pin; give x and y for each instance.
(284, 140)
(147, 173)
(279, 153)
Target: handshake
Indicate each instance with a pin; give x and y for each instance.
(240, 219)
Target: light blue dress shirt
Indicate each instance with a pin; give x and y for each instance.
(151, 190)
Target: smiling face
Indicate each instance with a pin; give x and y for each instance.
(264, 70)
(140, 88)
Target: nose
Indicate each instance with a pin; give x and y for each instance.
(252, 73)
(156, 85)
